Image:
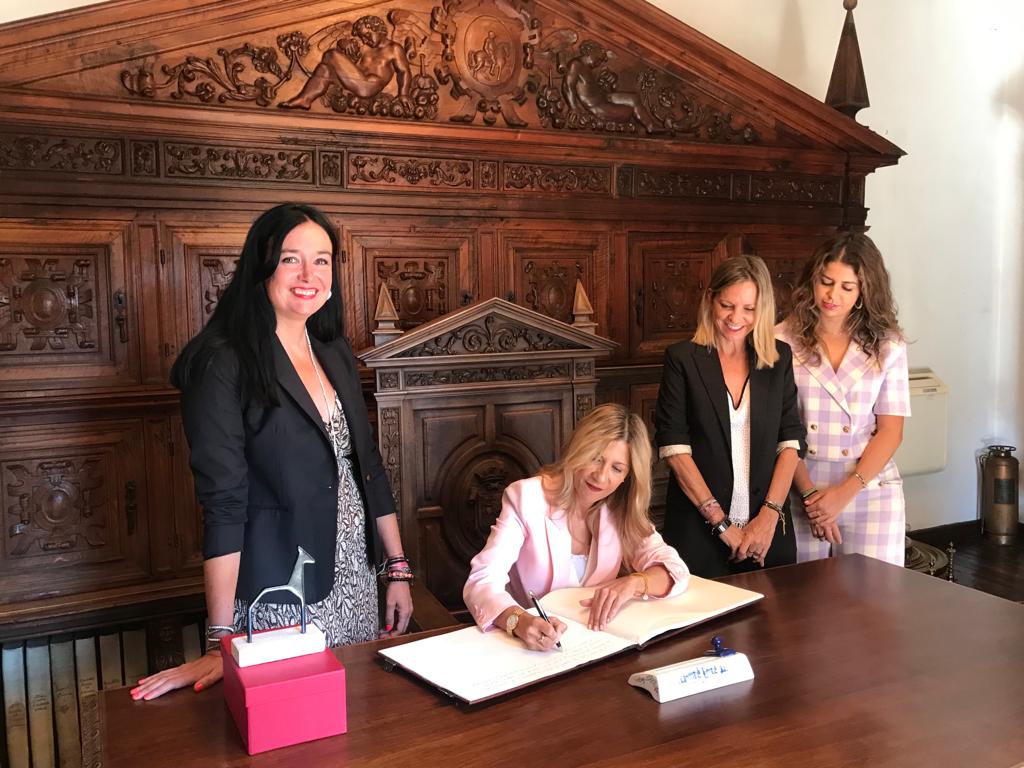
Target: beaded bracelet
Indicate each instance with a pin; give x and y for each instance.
(396, 568)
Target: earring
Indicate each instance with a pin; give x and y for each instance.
(329, 293)
(858, 305)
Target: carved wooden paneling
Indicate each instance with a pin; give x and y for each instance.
(428, 272)
(74, 502)
(206, 258)
(668, 274)
(68, 310)
(470, 453)
(643, 398)
(540, 269)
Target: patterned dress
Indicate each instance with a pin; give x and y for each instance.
(839, 408)
(349, 612)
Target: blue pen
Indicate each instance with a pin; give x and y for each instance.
(540, 611)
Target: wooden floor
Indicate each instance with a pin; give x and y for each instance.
(979, 562)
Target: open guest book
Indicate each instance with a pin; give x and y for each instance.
(474, 666)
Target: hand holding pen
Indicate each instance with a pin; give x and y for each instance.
(540, 633)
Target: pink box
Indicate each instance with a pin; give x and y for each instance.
(285, 702)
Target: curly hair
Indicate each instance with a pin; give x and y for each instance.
(374, 23)
(873, 318)
(630, 502)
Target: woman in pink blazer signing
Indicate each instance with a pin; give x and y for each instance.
(581, 521)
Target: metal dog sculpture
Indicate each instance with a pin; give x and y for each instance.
(295, 585)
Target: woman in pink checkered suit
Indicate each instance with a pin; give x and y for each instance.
(850, 363)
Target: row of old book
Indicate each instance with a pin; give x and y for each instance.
(51, 687)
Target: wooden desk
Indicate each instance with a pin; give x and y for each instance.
(856, 662)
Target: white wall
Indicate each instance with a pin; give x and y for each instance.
(946, 80)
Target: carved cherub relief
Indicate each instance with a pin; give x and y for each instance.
(365, 62)
(590, 86)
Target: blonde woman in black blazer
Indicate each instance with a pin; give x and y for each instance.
(728, 426)
(282, 453)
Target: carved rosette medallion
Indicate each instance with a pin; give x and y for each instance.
(487, 58)
(495, 335)
(53, 506)
(47, 304)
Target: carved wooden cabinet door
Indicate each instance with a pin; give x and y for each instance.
(68, 306)
(428, 271)
(204, 259)
(668, 272)
(469, 452)
(538, 269)
(74, 497)
(643, 398)
(785, 255)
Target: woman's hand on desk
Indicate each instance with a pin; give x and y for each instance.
(397, 609)
(537, 634)
(200, 673)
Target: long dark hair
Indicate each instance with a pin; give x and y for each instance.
(872, 320)
(244, 319)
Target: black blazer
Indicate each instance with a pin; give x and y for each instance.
(692, 410)
(267, 478)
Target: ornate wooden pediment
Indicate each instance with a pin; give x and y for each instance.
(611, 68)
(490, 332)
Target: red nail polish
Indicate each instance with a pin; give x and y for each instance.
(387, 628)
(199, 686)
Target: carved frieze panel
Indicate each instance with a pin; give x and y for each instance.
(73, 500)
(70, 154)
(482, 374)
(489, 62)
(368, 170)
(145, 158)
(209, 161)
(493, 335)
(536, 177)
(737, 186)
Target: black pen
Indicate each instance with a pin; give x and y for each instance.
(540, 610)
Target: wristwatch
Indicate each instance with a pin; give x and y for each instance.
(513, 621)
(721, 526)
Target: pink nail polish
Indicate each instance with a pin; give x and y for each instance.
(199, 687)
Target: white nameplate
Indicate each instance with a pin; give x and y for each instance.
(694, 676)
(277, 644)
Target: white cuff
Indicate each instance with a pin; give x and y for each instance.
(794, 444)
(673, 450)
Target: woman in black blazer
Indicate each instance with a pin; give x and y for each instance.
(282, 453)
(728, 426)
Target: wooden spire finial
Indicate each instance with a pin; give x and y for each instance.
(848, 89)
(582, 310)
(386, 318)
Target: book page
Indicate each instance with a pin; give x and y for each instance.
(475, 665)
(642, 620)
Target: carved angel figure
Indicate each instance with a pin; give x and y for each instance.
(364, 63)
(589, 86)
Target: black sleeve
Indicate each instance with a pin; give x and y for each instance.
(211, 411)
(670, 424)
(790, 425)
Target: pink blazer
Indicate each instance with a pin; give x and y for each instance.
(530, 549)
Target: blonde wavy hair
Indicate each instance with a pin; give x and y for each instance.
(739, 269)
(630, 501)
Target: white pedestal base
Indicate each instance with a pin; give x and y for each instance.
(694, 676)
(277, 644)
